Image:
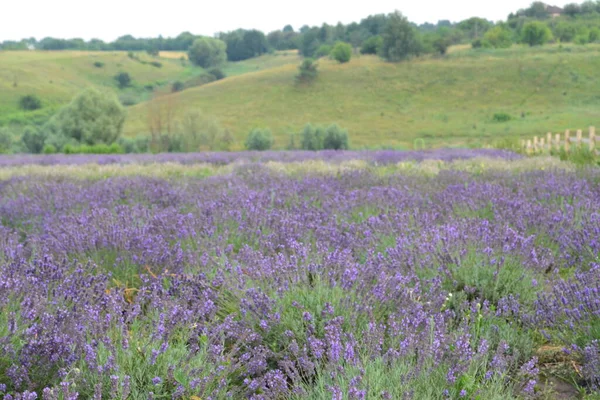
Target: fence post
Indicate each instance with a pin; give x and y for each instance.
(535, 144)
(557, 141)
(592, 138)
(549, 140)
(579, 135)
(567, 140)
(542, 145)
(528, 146)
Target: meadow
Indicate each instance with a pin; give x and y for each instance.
(449, 274)
(429, 101)
(468, 98)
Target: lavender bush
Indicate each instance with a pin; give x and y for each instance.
(263, 285)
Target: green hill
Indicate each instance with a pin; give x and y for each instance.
(445, 101)
(56, 76)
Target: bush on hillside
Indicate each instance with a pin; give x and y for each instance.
(123, 79)
(177, 86)
(318, 138)
(30, 102)
(536, 33)
(217, 73)
(498, 37)
(259, 139)
(98, 64)
(92, 117)
(335, 138)
(308, 71)
(311, 138)
(341, 52)
(6, 141)
(501, 117)
(33, 140)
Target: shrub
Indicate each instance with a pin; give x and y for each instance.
(311, 138)
(341, 52)
(498, 37)
(92, 117)
(149, 87)
(98, 64)
(594, 35)
(335, 138)
(259, 139)
(33, 140)
(501, 117)
(582, 39)
(155, 64)
(308, 72)
(30, 102)
(128, 100)
(123, 79)
(49, 149)
(217, 73)
(177, 86)
(536, 33)
(372, 45)
(323, 51)
(6, 141)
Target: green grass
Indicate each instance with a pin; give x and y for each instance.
(444, 101)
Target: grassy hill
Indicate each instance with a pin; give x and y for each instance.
(449, 101)
(56, 76)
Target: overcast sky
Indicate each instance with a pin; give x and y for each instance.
(109, 19)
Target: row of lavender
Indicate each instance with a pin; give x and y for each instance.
(264, 286)
(223, 158)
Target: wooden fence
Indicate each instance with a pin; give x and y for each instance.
(565, 141)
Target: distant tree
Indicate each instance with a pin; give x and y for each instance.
(537, 10)
(474, 28)
(335, 138)
(288, 28)
(92, 117)
(30, 102)
(594, 35)
(400, 40)
(307, 71)
(208, 52)
(341, 52)
(536, 33)
(572, 9)
(372, 45)
(259, 139)
(499, 37)
(123, 79)
(309, 42)
(374, 24)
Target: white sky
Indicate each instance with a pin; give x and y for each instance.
(109, 19)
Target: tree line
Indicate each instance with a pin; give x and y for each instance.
(579, 23)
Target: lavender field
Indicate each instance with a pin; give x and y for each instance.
(294, 277)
